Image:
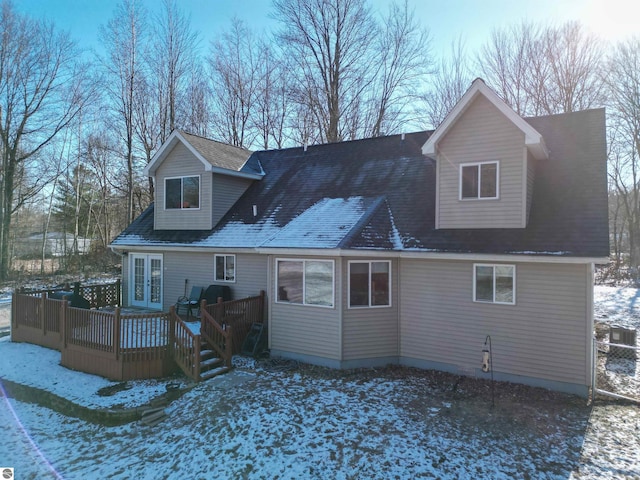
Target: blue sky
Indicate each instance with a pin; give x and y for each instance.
(446, 19)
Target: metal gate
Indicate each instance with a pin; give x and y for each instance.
(616, 371)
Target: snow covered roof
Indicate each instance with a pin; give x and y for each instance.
(380, 194)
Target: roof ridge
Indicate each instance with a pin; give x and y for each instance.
(213, 140)
(342, 142)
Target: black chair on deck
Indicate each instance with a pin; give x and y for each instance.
(191, 303)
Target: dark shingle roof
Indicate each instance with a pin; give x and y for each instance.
(380, 194)
(218, 154)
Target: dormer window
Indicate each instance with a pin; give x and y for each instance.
(182, 192)
(479, 180)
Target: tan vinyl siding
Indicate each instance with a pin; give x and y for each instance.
(251, 275)
(306, 329)
(198, 268)
(226, 191)
(482, 134)
(370, 332)
(531, 175)
(179, 163)
(543, 335)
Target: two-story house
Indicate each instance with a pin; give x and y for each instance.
(406, 249)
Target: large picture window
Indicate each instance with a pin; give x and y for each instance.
(305, 282)
(369, 284)
(479, 180)
(225, 268)
(494, 283)
(182, 192)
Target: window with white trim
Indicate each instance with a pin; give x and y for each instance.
(182, 193)
(305, 282)
(494, 283)
(479, 180)
(369, 283)
(225, 266)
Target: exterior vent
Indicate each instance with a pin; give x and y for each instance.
(622, 336)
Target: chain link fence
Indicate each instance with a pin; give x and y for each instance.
(616, 365)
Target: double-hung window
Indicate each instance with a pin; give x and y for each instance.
(305, 282)
(182, 192)
(494, 283)
(369, 283)
(479, 180)
(225, 268)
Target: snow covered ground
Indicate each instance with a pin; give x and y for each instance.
(267, 420)
(617, 306)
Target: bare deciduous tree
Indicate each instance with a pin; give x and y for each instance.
(124, 37)
(42, 89)
(544, 70)
(623, 83)
(233, 70)
(270, 108)
(451, 79)
(330, 43)
(172, 57)
(196, 112)
(503, 63)
(405, 64)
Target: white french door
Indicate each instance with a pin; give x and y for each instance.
(145, 275)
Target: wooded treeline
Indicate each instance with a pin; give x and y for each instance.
(77, 128)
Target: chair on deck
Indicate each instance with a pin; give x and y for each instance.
(191, 303)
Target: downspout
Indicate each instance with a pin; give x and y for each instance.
(590, 350)
(270, 295)
(399, 310)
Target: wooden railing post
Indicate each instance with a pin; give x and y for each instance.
(63, 324)
(228, 347)
(196, 356)
(14, 309)
(116, 332)
(172, 329)
(118, 293)
(261, 308)
(43, 298)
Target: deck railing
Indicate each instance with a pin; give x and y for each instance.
(186, 346)
(125, 346)
(219, 336)
(98, 295)
(240, 315)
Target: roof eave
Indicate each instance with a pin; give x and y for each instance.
(233, 173)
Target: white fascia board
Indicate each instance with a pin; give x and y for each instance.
(156, 160)
(339, 252)
(178, 248)
(524, 258)
(235, 173)
(164, 150)
(533, 139)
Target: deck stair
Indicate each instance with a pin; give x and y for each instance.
(210, 364)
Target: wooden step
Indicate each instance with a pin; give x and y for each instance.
(207, 354)
(153, 416)
(213, 373)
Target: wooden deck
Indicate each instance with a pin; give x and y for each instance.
(122, 344)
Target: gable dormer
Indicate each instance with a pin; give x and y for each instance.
(196, 181)
(484, 155)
